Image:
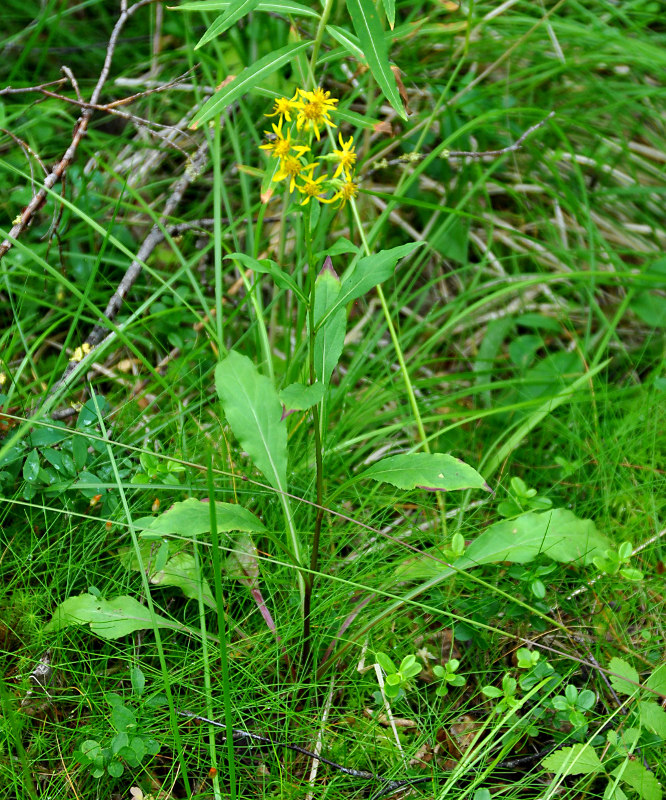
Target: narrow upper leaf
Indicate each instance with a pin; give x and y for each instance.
(287, 7)
(371, 36)
(254, 412)
(249, 78)
(237, 10)
(438, 471)
(269, 267)
(369, 272)
(330, 336)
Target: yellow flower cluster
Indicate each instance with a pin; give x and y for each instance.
(311, 112)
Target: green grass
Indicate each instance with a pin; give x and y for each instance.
(541, 269)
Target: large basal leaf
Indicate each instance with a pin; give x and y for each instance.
(434, 471)
(192, 518)
(558, 534)
(109, 619)
(286, 7)
(237, 10)
(371, 36)
(178, 570)
(254, 412)
(369, 272)
(249, 78)
(330, 335)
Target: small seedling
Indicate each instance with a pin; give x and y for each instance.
(521, 499)
(506, 695)
(572, 706)
(398, 678)
(447, 674)
(129, 746)
(613, 562)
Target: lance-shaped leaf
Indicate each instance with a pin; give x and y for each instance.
(369, 272)
(434, 471)
(254, 412)
(248, 79)
(269, 267)
(237, 10)
(109, 619)
(330, 336)
(285, 7)
(371, 36)
(191, 517)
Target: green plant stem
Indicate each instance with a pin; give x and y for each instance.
(319, 464)
(401, 361)
(217, 232)
(325, 14)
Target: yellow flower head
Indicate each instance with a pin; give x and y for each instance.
(346, 157)
(314, 109)
(348, 190)
(80, 352)
(281, 144)
(283, 108)
(290, 168)
(312, 187)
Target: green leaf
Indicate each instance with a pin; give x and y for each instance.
(653, 717)
(237, 10)
(138, 681)
(581, 759)
(625, 670)
(657, 680)
(115, 769)
(369, 272)
(299, 397)
(286, 7)
(650, 308)
(31, 467)
(181, 572)
(558, 534)
(109, 619)
(254, 412)
(639, 778)
(191, 517)
(389, 7)
(386, 663)
(268, 267)
(350, 43)
(433, 471)
(330, 335)
(371, 36)
(248, 79)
